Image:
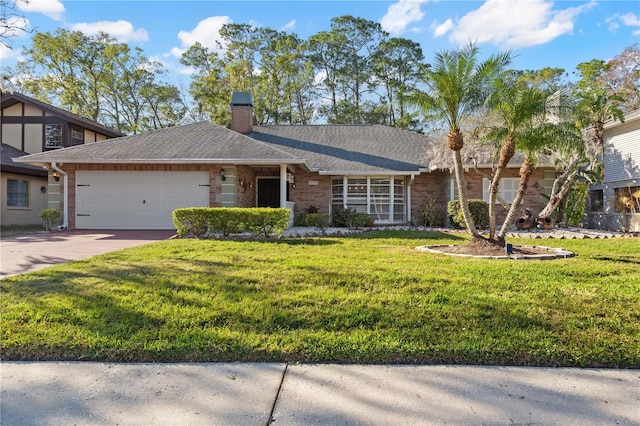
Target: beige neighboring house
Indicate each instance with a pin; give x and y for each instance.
(29, 127)
(615, 203)
(24, 189)
(135, 182)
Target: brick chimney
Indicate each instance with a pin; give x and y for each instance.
(241, 112)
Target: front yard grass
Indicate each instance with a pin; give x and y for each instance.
(369, 298)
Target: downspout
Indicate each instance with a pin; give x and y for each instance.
(65, 199)
(409, 184)
(283, 186)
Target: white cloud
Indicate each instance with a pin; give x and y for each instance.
(51, 8)
(628, 20)
(121, 30)
(516, 23)
(442, 29)
(290, 26)
(15, 27)
(207, 33)
(6, 53)
(401, 14)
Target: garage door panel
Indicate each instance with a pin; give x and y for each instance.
(136, 200)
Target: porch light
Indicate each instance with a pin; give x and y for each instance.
(56, 176)
(222, 175)
(243, 184)
(43, 189)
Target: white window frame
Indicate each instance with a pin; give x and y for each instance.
(364, 204)
(20, 193)
(507, 189)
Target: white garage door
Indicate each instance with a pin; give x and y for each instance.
(136, 200)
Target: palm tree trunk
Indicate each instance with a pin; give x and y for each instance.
(525, 172)
(462, 194)
(507, 151)
(493, 195)
(455, 142)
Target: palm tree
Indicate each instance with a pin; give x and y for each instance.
(539, 138)
(519, 109)
(457, 86)
(594, 109)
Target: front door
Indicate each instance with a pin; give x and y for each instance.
(269, 192)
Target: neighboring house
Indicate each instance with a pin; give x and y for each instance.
(135, 182)
(615, 204)
(28, 127)
(24, 189)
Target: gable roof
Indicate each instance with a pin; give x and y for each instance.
(8, 153)
(10, 98)
(196, 143)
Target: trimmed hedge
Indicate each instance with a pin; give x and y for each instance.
(479, 212)
(200, 221)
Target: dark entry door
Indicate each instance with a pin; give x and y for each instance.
(269, 193)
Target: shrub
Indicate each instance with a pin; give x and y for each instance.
(267, 221)
(479, 212)
(51, 218)
(226, 220)
(343, 218)
(198, 221)
(191, 221)
(432, 213)
(359, 220)
(318, 220)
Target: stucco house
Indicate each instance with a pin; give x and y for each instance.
(615, 203)
(135, 182)
(28, 127)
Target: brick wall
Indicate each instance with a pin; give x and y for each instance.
(310, 189)
(430, 186)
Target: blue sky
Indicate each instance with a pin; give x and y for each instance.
(539, 32)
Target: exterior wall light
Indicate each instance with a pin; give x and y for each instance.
(222, 175)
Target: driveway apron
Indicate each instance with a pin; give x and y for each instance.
(26, 253)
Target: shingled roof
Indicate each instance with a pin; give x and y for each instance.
(8, 153)
(328, 149)
(196, 143)
(342, 149)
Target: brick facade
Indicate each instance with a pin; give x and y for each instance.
(312, 189)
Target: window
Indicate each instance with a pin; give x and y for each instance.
(77, 136)
(53, 135)
(507, 189)
(628, 199)
(382, 197)
(596, 198)
(17, 193)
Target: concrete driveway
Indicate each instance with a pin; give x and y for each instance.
(30, 252)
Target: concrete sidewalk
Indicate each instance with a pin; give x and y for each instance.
(54, 393)
(30, 252)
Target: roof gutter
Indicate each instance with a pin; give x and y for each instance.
(65, 200)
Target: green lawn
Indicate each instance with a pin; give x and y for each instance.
(369, 298)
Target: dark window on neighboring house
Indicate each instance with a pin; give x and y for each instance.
(628, 199)
(53, 136)
(17, 193)
(77, 136)
(597, 201)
